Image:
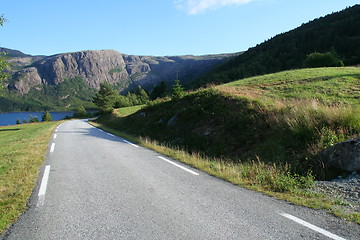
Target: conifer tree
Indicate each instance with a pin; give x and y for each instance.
(106, 97)
(177, 90)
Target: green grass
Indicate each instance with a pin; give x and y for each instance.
(264, 133)
(329, 86)
(126, 111)
(22, 152)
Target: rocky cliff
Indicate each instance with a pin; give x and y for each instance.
(96, 66)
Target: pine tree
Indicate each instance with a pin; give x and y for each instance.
(106, 97)
(46, 117)
(177, 90)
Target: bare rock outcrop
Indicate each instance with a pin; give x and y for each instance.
(27, 79)
(344, 155)
(93, 67)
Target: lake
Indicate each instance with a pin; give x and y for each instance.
(11, 117)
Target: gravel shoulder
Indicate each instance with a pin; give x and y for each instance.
(346, 190)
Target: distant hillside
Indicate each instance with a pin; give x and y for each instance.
(13, 53)
(338, 31)
(67, 80)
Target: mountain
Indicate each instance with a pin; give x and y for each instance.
(67, 78)
(337, 32)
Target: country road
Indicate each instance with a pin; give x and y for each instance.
(98, 186)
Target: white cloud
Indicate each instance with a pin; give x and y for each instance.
(193, 7)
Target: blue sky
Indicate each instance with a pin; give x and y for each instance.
(153, 27)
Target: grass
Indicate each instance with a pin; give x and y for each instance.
(22, 152)
(264, 133)
(328, 86)
(126, 111)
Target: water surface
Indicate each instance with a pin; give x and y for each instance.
(11, 117)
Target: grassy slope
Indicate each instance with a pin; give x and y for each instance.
(260, 117)
(329, 86)
(22, 151)
(258, 127)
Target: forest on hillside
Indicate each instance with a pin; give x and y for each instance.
(338, 33)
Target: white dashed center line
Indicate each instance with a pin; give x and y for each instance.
(52, 148)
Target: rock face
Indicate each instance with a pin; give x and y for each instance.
(27, 78)
(97, 66)
(344, 155)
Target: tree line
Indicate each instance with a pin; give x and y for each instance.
(334, 36)
(107, 98)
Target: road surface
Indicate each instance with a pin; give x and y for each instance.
(95, 185)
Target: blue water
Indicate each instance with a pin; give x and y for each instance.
(10, 118)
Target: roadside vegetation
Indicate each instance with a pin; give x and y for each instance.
(22, 152)
(264, 133)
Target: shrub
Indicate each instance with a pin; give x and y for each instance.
(80, 112)
(328, 59)
(46, 117)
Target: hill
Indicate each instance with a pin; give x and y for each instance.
(338, 32)
(273, 118)
(67, 80)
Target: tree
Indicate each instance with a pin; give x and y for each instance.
(33, 119)
(142, 95)
(159, 91)
(3, 63)
(106, 97)
(80, 112)
(2, 20)
(46, 117)
(177, 90)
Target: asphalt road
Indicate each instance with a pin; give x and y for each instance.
(102, 187)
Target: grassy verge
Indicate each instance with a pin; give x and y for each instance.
(22, 151)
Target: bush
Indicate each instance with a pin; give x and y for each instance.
(33, 119)
(80, 112)
(328, 59)
(46, 117)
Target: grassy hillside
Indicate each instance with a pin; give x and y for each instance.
(263, 133)
(22, 152)
(327, 86)
(338, 31)
(285, 118)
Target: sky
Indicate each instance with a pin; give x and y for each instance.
(153, 27)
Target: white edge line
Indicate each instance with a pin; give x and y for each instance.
(110, 134)
(312, 227)
(52, 148)
(44, 181)
(43, 186)
(55, 135)
(125, 141)
(179, 166)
